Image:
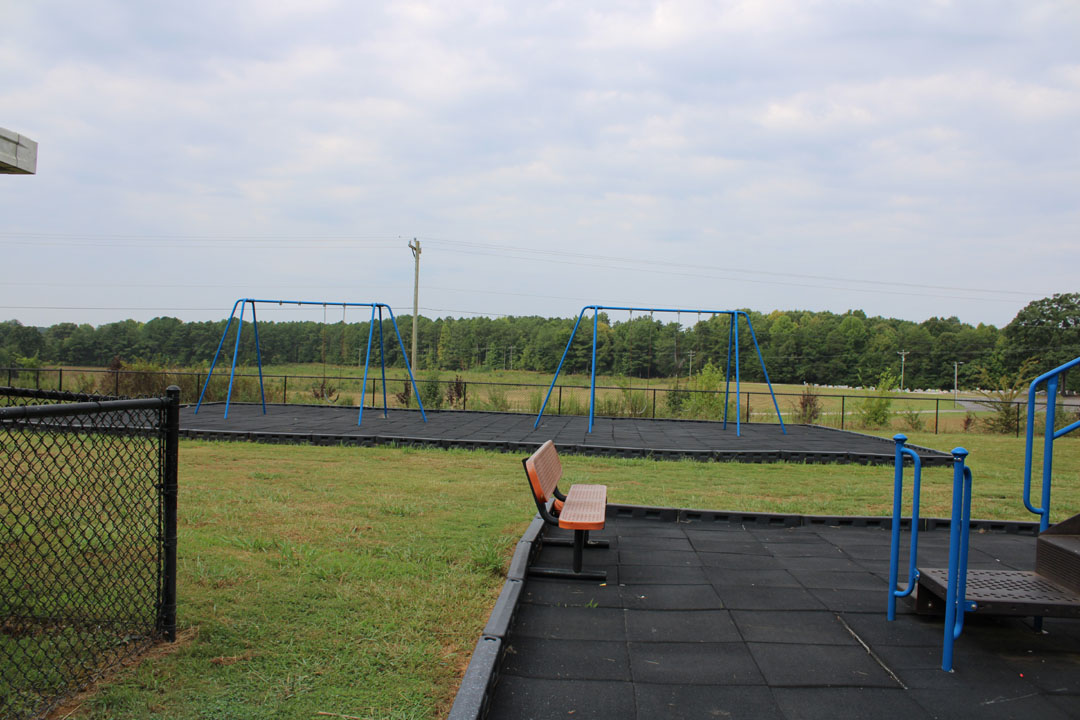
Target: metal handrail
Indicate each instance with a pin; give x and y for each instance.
(894, 548)
(1052, 379)
(956, 604)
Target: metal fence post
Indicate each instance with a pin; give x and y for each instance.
(842, 399)
(937, 405)
(116, 384)
(285, 391)
(654, 403)
(167, 623)
(1018, 418)
(464, 395)
(60, 382)
(558, 411)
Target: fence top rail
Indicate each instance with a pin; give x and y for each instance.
(53, 394)
(28, 412)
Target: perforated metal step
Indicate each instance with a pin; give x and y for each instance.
(1000, 592)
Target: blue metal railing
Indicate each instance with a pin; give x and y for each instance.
(913, 553)
(1052, 380)
(956, 604)
(959, 534)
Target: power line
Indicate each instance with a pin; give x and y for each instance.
(561, 257)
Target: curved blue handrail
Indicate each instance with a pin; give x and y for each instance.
(1052, 379)
(894, 549)
(956, 604)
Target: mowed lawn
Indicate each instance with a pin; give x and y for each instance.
(356, 581)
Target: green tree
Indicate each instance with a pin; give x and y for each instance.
(1046, 329)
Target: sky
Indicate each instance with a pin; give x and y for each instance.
(910, 159)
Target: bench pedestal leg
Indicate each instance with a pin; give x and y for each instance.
(581, 540)
(580, 536)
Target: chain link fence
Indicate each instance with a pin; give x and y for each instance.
(87, 539)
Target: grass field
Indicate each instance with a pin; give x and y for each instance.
(356, 581)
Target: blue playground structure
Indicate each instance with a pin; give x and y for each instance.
(1052, 590)
(733, 338)
(375, 306)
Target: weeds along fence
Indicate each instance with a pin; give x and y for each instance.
(847, 411)
(87, 539)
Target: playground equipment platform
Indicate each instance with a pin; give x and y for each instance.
(513, 432)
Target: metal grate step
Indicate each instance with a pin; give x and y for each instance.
(1000, 592)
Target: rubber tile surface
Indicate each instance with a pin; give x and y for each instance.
(514, 432)
(790, 624)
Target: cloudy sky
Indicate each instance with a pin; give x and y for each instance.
(908, 158)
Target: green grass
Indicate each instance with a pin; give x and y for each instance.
(357, 580)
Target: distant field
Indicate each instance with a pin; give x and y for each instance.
(525, 391)
(356, 581)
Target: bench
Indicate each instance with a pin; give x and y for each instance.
(582, 509)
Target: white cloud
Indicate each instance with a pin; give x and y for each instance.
(803, 137)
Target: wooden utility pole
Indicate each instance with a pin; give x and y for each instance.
(415, 247)
(903, 356)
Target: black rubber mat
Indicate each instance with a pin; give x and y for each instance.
(801, 633)
(513, 432)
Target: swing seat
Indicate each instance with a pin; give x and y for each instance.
(582, 509)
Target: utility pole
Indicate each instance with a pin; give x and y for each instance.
(955, 376)
(691, 354)
(511, 357)
(415, 247)
(903, 356)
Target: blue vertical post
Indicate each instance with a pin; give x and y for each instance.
(1048, 450)
(573, 332)
(382, 359)
(236, 351)
(894, 543)
(738, 394)
(592, 382)
(954, 597)
(727, 368)
(217, 352)
(367, 361)
(258, 356)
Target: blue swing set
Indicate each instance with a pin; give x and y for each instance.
(733, 340)
(242, 303)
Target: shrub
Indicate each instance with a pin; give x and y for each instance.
(496, 399)
(807, 409)
(404, 397)
(455, 392)
(913, 419)
(1003, 390)
(708, 402)
(431, 392)
(876, 411)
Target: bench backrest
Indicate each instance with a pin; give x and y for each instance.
(544, 470)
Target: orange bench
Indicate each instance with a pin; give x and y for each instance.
(582, 509)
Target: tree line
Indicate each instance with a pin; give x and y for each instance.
(797, 346)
